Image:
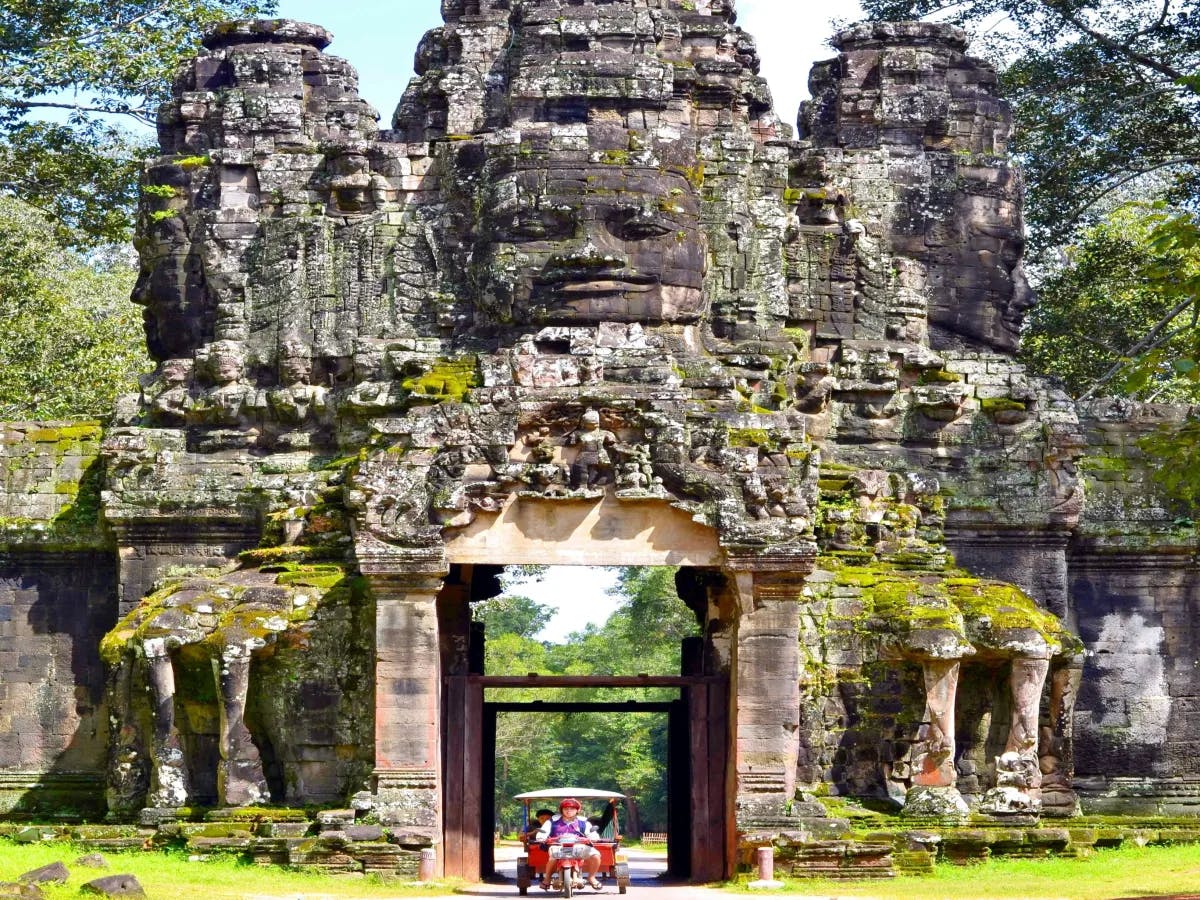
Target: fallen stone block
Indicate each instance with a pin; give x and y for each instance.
(92, 861)
(114, 886)
(54, 873)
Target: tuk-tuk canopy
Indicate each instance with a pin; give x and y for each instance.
(577, 793)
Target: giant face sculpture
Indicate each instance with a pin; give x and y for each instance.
(564, 244)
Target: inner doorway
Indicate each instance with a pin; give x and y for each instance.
(488, 646)
(700, 833)
(656, 804)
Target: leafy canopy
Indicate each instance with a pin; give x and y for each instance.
(1120, 312)
(74, 76)
(70, 340)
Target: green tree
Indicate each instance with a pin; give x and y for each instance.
(1120, 311)
(91, 65)
(1105, 94)
(70, 339)
(506, 615)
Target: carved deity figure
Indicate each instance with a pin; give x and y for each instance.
(228, 400)
(296, 401)
(169, 397)
(593, 464)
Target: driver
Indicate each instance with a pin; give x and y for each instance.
(569, 822)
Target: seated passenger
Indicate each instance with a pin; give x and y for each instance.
(568, 822)
(540, 818)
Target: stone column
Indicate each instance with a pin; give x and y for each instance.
(240, 778)
(1056, 747)
(933, 789)
(408, 700)
(169, 783)
(1018, 772)
(766, 687)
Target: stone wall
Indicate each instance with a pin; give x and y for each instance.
(1135, 595)
(57, 600)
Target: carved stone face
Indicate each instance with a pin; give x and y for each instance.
(223, 363)
(986, 294)
(562, 245)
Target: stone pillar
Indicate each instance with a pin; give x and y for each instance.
(933, 790)
(240, 778)
(1056, 747)
(1018, 773)
(169, 783)
(408, 699)
(766, 686)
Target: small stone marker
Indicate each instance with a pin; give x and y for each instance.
(114, 886)
(92, 861)
(20, 891)
(766, 871)
(54, 873)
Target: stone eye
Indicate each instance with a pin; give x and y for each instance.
(639, 227)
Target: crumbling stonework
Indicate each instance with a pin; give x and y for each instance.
(588, 300)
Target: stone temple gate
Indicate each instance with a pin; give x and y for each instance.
(588, 301)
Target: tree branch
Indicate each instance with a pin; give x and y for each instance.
(112, 29)
(1162, 20)
(140, 113)
(1150, 342)
(1076, 213)
(1124, 49)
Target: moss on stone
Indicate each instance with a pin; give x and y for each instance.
(940, 376)
(750, 437)
(992, 405)
(448, 379)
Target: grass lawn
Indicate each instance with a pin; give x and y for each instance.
(1106, 875)
(171, 875)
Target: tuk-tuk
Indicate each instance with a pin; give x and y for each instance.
(602, 809)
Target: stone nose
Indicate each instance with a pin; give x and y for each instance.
(589, 256)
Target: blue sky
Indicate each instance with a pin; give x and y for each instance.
(380, 36)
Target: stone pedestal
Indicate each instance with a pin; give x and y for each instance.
(408, 700)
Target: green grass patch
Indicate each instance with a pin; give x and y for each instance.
(1106, 875)
(171, 874)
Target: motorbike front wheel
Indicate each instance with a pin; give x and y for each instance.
(568, 882)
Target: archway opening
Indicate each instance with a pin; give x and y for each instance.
(624, 695)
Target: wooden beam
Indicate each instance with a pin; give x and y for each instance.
(540, 706)
(591, 681)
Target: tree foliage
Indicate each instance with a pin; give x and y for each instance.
(622, 752)
(70, 339)
(1105, 93)
(70, 71)
(1120, 311)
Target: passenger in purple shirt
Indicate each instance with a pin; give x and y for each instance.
(568, 822)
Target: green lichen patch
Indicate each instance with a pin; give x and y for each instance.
(447, 380)
(993, 405)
